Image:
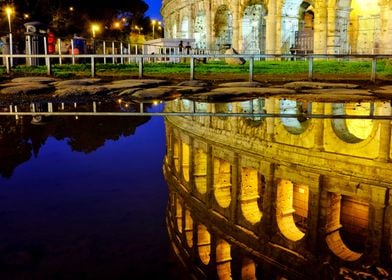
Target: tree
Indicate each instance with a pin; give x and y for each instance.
(68, 17)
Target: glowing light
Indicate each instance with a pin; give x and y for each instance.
(94, 29)
(119, 101)
(155, 102)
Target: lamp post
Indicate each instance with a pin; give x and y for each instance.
(153, 22)
(8, 11)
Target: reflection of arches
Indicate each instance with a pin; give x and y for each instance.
(200, 170)
(179, 215)
(185, 161)
(256, 106)
(176, 154)
(222, 182)
(333, 239)
(223, 260)
(223, 27)
(254, 29)
(188, 228)
(352, 130)
(248, 269)
(204, 244)
(354, 217)
(285, 210)
(250, 195)
(294, 125)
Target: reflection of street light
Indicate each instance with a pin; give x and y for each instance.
(9, 11)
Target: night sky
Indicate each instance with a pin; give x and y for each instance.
(154, 8)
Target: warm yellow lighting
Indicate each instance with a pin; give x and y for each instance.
(155, 102)
(94, 29)
(26, 16)
(119, 101)
(71, 8)
(117, 24)
(9, 10)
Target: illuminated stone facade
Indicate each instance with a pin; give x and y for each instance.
(259, 198)
(262, 26)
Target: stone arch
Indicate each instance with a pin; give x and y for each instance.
(203, 244)
(185, 161)
(223, 260)
(297, 26)
(200, 32)
(333, 226)
(294, 125)
(179, 214)
(364, 30)
(188, 228)
(184, 32)
(352, 130)
(200, 170)
(223, 27)
(285, 210)
(254, 27)
(250, 195)
(222, 182)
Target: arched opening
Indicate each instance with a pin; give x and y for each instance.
(176, 154)
(200, 34)
(184, 27)
(250, 195)
(223, 260)
(254, 29)
(297, 26)
(200, 171)
(289, 201)
(333, 226)
(204, 244)
(188, 228)
(296, 125)
(174, 30)
(352, 130)
(179, 215)
(185, 161)
(365, 26)
(223, 28)
(222, 182)
(248, 269)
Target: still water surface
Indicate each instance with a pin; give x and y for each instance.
(83, 199)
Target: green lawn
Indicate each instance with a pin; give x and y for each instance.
(275, 67)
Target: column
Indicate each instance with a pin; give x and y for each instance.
(270, 47)
(320, 28)
(332, 37)
(318, 108)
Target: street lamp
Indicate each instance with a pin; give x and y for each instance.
(9, 12)
(153, 22)
(94, 29)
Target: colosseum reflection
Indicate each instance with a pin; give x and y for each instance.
(280, 198)
(261, 26)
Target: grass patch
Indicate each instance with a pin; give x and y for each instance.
(274, 67)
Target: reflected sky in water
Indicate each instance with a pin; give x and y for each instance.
(95, 215)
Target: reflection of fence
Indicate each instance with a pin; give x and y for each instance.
(191, 59)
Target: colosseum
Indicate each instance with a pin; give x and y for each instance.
(255, 197)
(273, 27)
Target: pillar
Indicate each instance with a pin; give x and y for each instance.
(271, 21)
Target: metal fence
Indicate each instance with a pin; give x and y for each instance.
(141, 59)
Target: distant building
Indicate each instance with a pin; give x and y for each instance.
(257, 26)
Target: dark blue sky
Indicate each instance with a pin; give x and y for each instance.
(154, 8)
